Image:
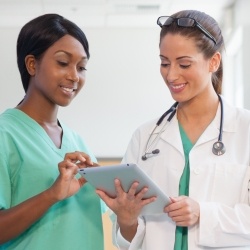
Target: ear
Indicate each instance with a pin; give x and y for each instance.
(30, 63)
(215, 62)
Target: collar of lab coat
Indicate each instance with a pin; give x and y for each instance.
(171, 132)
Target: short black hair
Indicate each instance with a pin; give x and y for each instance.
(39, 34)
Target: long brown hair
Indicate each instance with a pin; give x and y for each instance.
(203, 43)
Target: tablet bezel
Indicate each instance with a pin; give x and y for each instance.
(102, 178)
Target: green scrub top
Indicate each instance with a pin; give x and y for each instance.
(181, 233)
(29, 165)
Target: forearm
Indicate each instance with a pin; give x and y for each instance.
(19, 218)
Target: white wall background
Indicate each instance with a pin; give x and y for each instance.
(236, 85)
(123, 87)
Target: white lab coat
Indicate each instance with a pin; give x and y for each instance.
(219, 183)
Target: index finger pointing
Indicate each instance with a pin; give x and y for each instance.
(79, 157)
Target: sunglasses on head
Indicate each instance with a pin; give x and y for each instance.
(183, 22)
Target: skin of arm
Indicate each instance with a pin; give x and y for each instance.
(19, 218)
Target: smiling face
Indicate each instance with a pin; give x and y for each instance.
(60, 73)
(184, 69)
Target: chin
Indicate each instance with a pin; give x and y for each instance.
(64, 104)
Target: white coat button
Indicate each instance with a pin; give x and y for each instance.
(196, 170)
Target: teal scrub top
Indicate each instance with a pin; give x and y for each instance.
(29, 165)
(181, 233)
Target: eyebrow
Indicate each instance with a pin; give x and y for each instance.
(69, 54)
(178, 58)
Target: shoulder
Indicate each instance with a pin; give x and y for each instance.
(6, 117)
(147, 125)
(145, 128)
(71, 137)
(236, 112)
(235, 118)
(10, 123)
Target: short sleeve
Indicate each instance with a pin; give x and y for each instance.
(5, 183)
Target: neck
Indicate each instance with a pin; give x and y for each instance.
(198, 107)
(41, 113)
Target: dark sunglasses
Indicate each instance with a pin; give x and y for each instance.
(183, 22)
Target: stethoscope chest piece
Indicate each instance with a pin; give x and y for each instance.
(219, 148)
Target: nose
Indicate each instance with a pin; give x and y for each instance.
(73, 75)
(172, 73)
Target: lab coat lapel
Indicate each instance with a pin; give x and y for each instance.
(171, 134)
(213, 130)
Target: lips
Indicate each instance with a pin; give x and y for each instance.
(177, 87)
(68, 89)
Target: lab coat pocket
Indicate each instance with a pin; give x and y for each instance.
(230, 183)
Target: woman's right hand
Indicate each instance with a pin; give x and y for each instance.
(127, 207)
(67, 184)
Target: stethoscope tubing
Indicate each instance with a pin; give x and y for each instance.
(218, 147)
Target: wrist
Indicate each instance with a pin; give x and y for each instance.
(49, 196)
(128, 223)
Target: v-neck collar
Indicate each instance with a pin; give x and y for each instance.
(20, 115)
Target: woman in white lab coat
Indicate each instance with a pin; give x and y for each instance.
(199, 154)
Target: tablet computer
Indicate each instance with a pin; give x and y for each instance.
(103, 178)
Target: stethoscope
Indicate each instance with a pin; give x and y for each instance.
(218, 147)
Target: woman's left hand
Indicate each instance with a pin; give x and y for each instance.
(184, 211)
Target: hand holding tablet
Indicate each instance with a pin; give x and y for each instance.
(103, 178)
